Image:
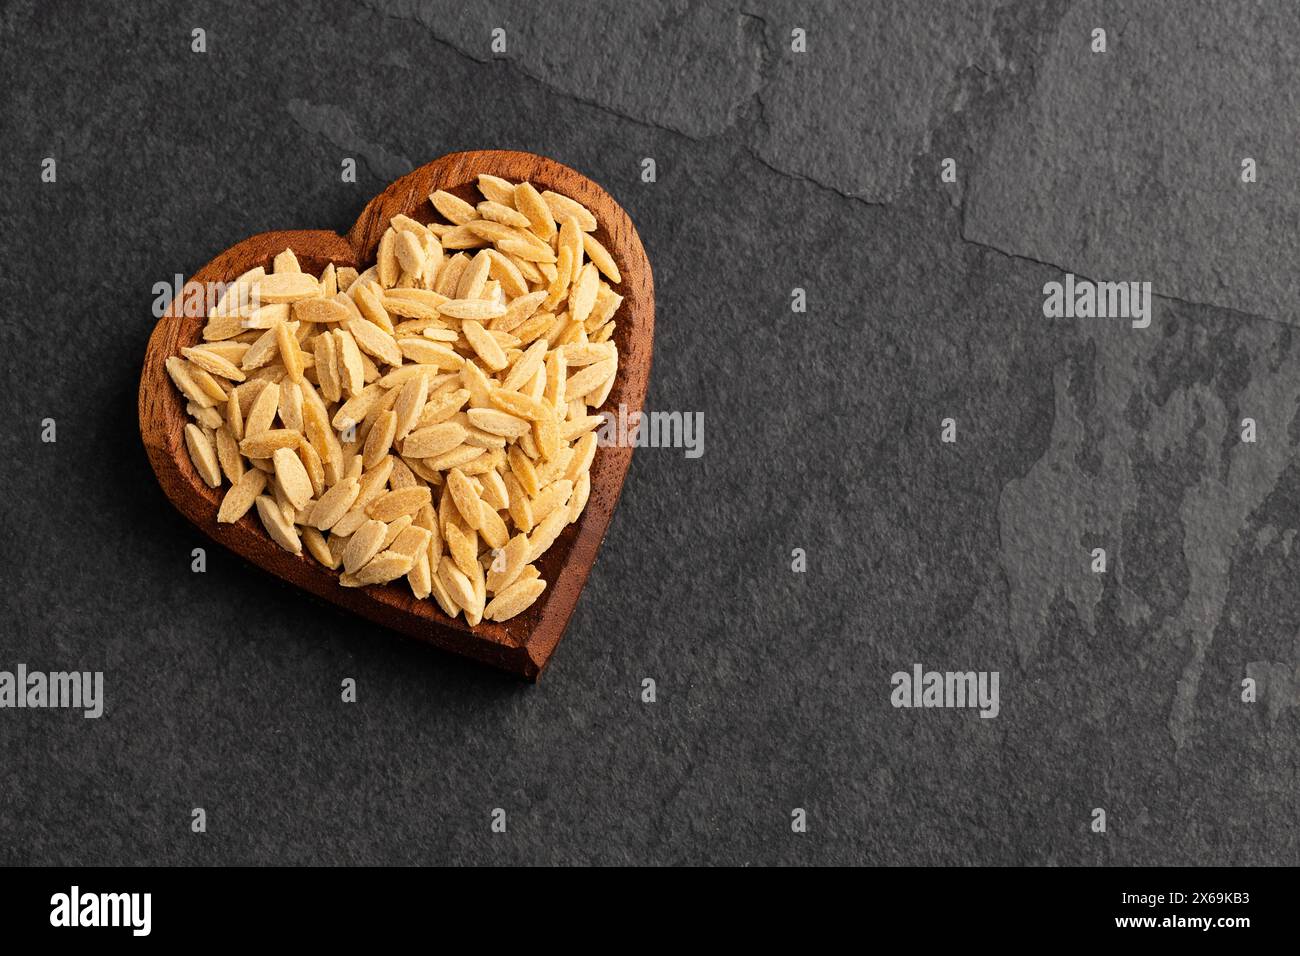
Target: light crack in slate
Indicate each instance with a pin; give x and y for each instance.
(336, 125)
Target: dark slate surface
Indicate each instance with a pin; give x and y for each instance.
(1119, 691)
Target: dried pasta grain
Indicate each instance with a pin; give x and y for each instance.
(429, 421)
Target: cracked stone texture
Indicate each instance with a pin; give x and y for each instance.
(1129, 164)
(1119, 690)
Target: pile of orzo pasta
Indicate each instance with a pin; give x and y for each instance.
(429, 418)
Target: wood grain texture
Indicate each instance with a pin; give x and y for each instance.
(524, 644)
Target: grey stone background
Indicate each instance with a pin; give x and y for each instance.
(776, 170)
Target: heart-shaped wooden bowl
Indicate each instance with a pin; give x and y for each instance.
(524, 644)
